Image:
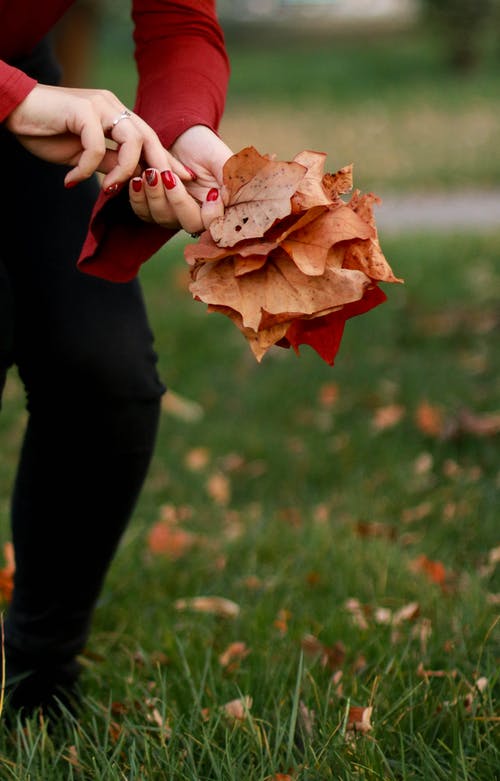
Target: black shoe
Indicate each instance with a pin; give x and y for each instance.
(51, 688)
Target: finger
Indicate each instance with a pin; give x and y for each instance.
(212, 207)
(138, 200)
(94, 148)
(128, 154)
(159, 207)
(187, 210)
(158, 157)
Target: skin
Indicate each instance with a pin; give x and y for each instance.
(73, 127)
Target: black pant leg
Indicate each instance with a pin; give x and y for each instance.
(84, 351)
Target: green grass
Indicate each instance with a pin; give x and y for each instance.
(303, 476)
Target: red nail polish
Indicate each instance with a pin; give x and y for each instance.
(190, 172)
(137, 184)
(168, 179)
(152, 176)
(69, 185)
(212, 194)
(113, 188)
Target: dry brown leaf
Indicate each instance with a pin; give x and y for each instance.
(7, 572)
(277, 289)
(170, 541)
(429, 419)
(309, 246)
(281, 621)
(219, 488)
(234, 653)
(332, 656)
(239, 708)
(359, 719)
(354, 607)
(408, 612)
(289, 210)
(338, 183)
(306, 719)
(310, 191)
(257, 192)
(388, 416)
(434, 570)
(181, 407)
(197, 458)
(219, 606)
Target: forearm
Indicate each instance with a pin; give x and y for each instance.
(182, 64)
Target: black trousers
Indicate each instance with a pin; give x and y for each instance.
(83, 349)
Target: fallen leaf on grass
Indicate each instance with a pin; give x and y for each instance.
(429, 419)
(233, 655)
(486, 424)
(219, 488)
(238, 709)
(493, 559)
(359, 719)
(197, 458)
(288, 252)
(423, 673)
(181, 408)
(375, 529)
(435, 571)
(330, 656)
(7, 572)
(219, 606)
(281, 621)
(281, 777)
(163, 539)
(388, 416)
(306, 719)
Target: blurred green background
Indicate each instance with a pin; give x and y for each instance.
(408, 91)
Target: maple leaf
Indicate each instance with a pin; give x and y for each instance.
(289, 262)
(308, 247)
(257, 192)
(310, 191)
(279, 288)
(338, 183)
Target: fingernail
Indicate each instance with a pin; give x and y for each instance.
(152, 176)
(168, 179)
(212, 194)
(113, 188)
(190, 172)
(69, 185)
(137, 184)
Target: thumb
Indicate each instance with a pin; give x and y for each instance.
(212, 207)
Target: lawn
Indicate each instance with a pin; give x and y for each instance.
(347, 514)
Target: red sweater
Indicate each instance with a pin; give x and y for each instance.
(183, 73)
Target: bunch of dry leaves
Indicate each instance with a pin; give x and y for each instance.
(290, 261)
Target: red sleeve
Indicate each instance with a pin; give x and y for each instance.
(14, 86)
(183, 74)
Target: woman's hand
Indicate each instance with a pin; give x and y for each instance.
(71, 126)
(160, 196)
